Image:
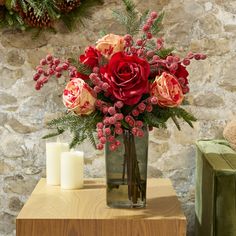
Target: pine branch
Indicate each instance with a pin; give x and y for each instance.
(59, 131)
(176, 122)
(82, 127)
(186, 116)
(82, 68)
(130, 19)
(152, 120)
(163, 53)
(91, 138)
(84, 11)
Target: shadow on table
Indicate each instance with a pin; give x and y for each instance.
(157, 207)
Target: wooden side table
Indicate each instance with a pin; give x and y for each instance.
(51, 211)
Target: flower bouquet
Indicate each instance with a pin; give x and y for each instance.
(118, 90)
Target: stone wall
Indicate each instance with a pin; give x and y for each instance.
(198, 25)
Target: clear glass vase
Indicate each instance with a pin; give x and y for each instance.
(126, 171)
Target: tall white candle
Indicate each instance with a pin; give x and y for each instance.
(72, 170)
(53, 161)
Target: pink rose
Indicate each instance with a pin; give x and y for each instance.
(79, 97)
(167, 90)
(110, 44)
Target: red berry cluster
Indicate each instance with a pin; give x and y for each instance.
(51, 66)
(111, 126)
(99, 85)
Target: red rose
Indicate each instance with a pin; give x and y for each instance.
(90, 58)
(182, 76)
(127, 77)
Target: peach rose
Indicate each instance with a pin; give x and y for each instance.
(167, 90)
(79, 97)
(110, 44)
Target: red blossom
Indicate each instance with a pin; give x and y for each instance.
(127, 77)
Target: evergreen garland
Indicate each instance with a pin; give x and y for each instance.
(26, 14)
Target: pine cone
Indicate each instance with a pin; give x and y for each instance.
(2, 13)
(2, 2)
(67, 6)
(33, 20)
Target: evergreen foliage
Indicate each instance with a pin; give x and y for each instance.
(133, 21)
(159, 116)
(82, 127)
(10, 16)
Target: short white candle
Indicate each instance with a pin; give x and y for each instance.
(53, 161)
(72, 170)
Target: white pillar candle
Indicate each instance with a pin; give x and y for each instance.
(72, 170)
(53, 161)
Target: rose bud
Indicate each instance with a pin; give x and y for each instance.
(167, 90)
(79, 97)
(110, 44)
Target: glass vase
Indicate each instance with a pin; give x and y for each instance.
(126, 171)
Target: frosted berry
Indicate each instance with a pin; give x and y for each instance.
(56, 61)
(119, 131)
(118, 143)
(49, 57)
(139, 42)
(112, 147)
(65, 66)
(96, 70)
(139, 123)
(58, 75)
(106, 121)
(141, 106)
(154, 15)
(105, 86)
(105, 110)
(119, 104)
(36, 77)
(149, 108)
(43, 62)
(118, 124)
(100, 146)
(149, 35)
(112, 120)
(40, 71)
(154, 100)
(100, 125)
(146, 28)
(107, 131)
(103, 140)
(111, 139)
(111, 111)
(186, 62)
(134, 131)
(97, 89)
(203, 56)
(128, 37)
(135, 112)
(140, 133)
